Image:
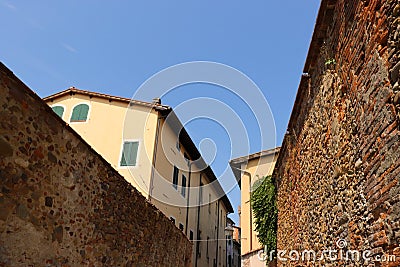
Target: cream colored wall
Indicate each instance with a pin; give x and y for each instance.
(103, 131)
(170, 200)
(209, 223)
(259, 166)
(163, 193)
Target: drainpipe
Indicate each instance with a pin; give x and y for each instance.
(251, 212)
(217, 233)
(198, 222)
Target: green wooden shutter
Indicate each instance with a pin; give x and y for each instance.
(80, 112)
(75, 113)
(129, 154)
(58, 110)
(83, 112)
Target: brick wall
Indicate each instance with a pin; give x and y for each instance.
(338, 170)
(61, 204)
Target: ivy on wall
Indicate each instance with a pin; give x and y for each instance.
(263, 202)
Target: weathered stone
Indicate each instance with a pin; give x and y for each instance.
(48, 201)
(6, 209)
(394, 72)
(6, 149)
(58, 234)
(396, 99)
(51, 157)
(22, 211)
(21, 162)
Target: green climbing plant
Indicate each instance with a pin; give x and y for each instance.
(263, 201)
(330, 61)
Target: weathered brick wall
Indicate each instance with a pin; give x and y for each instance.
(339, 168)
(61, 204)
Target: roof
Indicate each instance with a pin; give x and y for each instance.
(184, 137)
(72, 91)
(264, 153)
(324, 19)
(230, 221)
(237, 162)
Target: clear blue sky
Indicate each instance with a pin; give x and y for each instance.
(114, 46)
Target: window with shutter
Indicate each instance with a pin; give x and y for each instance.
(59, 110)
(80, 113)
(175, 177)
(183, 191)
(129, 153)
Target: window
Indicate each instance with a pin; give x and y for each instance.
(201, 193)
(208, 239)
(178, 145)
(80, 113)
(172, 219)
(183, 191)
(209, 203)
(191, 235)
(175, 177)
(219, 256)
(181, 226)
(199, 244)
(129, 153)
(59, 110)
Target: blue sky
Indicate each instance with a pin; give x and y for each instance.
(114, 46)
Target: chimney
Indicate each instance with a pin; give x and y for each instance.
(157, 100)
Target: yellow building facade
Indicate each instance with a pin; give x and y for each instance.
(148, 145)
(247, 170)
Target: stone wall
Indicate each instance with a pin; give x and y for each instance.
(338, 170)
(62, 204)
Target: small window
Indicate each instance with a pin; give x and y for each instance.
(129, 153)
(80, 113)
(59, 110)
(191, 235)
(201, 192)
(207, 255)
(199, 244)
(209, 203)
(181, 227)
(175, 177)
(183, 191)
